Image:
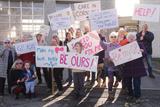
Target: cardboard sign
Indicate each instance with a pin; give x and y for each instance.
(146, 12)
(44, 30)
(61, 17)
(90, 43)
(60, 22)
(26, 47)
(125, 53)
(78, 61)
(82, 10)
(47, 56)
(104, 19)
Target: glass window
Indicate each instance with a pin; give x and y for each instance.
(27, 19)
(38, 19)
(4, 11)
(15, 19)
(14, 4)
(26, 11)
(4, 19)
(4, 3)
(38, 5)
(38, 11)
(15, 11)
(4, 27)
(26, 4)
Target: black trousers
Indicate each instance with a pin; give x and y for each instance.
(2, 85)
(58, 76)
(45, 73)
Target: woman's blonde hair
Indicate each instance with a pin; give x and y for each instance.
(15, 62)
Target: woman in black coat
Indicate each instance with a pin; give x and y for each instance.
(17, 78)
(134, 70)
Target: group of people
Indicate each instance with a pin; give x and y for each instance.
(20, 75)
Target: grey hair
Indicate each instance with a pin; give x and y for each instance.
(131, 35)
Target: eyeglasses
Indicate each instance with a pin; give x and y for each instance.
(7, 42)
(113, 36)
(19, 63)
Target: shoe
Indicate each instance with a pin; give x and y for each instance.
(111, 96)
(59, 92)
(116, 84)
(152, 76)
(39, 82)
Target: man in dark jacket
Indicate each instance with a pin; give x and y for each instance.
(146, 37)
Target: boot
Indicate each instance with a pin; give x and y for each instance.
(111, 96)
(33, 95)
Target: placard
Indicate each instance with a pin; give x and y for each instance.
(146, 12)
(82, 10)
(125, 53)
(90, 43)
(26, 47)
(104, 19)
(47, 56)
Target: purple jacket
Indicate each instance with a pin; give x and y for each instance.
(109, 47)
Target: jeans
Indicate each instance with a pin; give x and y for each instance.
(149, 63)
(30, 86)
(136, 92)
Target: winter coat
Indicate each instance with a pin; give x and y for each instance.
(147, 41)
(4, 54)
(136, 67)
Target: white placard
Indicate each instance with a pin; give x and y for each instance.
(26, 47)
(47, 56)
(104, 19)
(146, 12)
(125, 53)
(78, 61)
(66, 14)
(90, 43)
(82, 10)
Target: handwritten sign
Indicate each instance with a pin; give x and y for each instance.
(26, 47)
(90, 43)
(104, 19)
(60, 23)
(47, 56)
(125, 53)
(82, 10)
(61, 17)
(44, 30)
(146, 12)
(78, 61)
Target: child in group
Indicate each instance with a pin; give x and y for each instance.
(78, 75)
(110, 68)
(29, 80)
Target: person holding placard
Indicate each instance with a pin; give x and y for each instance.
(78, 75)
(147, 38)
(122, 40)
(69, 38)
(133, 71)
(41, 42)
(57, 72)
(111, 69)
